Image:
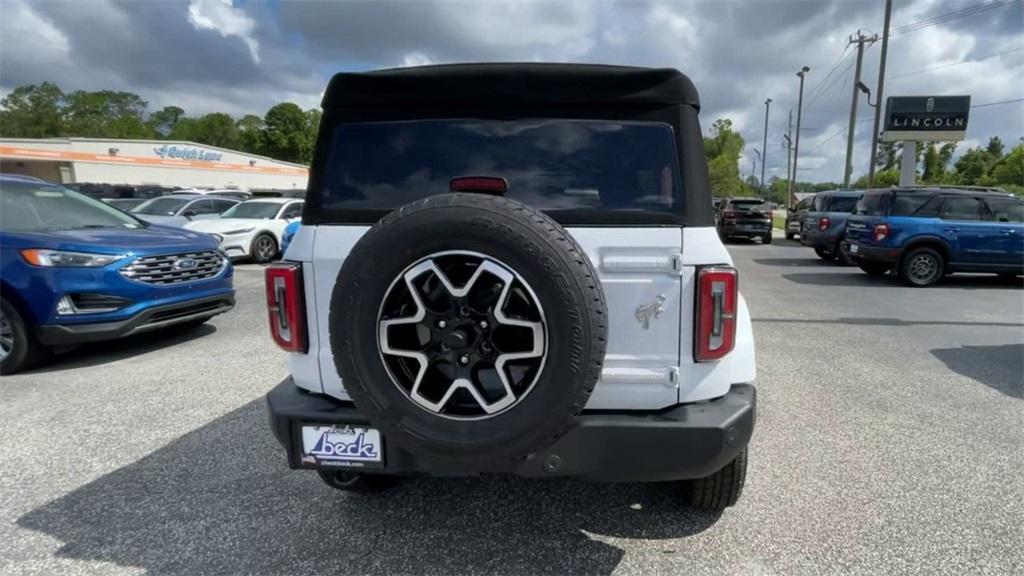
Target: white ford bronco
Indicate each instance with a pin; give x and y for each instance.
(512, 268)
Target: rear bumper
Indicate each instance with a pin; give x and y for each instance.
(144, 321)
(748, 229)
(815, 239)
(688, 441)
(864, 253)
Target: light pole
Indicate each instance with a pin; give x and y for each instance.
(755, 160)
(764, 146)
(799, 113)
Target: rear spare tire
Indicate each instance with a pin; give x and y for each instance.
(468, 328)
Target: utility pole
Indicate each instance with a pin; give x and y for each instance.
(859, 40)
(764, 145)
(789, 157)
(878, 94)
(799, 113)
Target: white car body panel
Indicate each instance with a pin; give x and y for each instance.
(239, 245)
(645, 368)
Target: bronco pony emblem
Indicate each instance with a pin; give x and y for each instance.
(647, 312)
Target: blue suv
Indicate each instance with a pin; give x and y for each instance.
(824, 223)
(73, 269)
(929, 232)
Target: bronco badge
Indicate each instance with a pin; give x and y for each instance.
(647, 312)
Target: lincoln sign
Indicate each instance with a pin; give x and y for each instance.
(926, 118)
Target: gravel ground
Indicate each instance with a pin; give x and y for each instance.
(889, 440)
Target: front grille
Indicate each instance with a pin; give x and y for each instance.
(175, 268)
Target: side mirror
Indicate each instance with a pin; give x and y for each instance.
(188, 214)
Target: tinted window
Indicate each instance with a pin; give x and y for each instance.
(222, 205)
(204, 207)
(292, 211)
(931, 208)
(254, 209)
(35, 206)
(746, 205)
(960, 208)
(161, 206)
(556, 165)
(907, 204)
(842, 203)
(1006, 209)
(870, 204)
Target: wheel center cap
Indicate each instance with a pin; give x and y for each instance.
(457, 339)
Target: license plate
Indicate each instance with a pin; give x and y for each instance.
(345, 446)
(853, 248)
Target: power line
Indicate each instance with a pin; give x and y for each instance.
(950, 16)
(998, 103)
(839, 61)
(947, 65)
(832, 137)
(828, 88)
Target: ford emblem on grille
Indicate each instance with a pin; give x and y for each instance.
(185, 264)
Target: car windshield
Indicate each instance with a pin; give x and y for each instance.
(556, 165)
(37, 206)
(256, 209)
(842, 204)
(161, 206)
(746, 205)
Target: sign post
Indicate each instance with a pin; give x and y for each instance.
(913, 119)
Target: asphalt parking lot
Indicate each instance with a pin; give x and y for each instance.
(889, 440)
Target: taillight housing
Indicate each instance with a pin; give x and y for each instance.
(824, 223)
(717, 301)
(286, 306)
(729, 214)
(881, 232)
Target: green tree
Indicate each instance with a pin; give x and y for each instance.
(284, 133)
(163, 120)
(995, 147)
(1009, 170)
(972, 169)
(935, 161)
(250, 129)
(883, 179)
(722, 150)
(105, 114)
(32, 111)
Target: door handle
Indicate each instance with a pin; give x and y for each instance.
(952, 229)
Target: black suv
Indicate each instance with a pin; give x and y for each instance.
(745, 218)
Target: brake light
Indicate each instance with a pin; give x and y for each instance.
(488, 184)
(286, 306)
(717, 298)
(729, 214)
(824, 223)
(881, 232)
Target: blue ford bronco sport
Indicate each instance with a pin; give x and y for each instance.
(929, 232)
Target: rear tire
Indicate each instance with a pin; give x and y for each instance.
(18, 346)
(721, 489)
(921, 267)
(875, 268)
(767, 238)
(824, 255)
(264, 248)
(842, 256)
(790, 235)
(356, 481)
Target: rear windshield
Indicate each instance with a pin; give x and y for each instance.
(842, 203)
(746, 205)
(871, 204)
(566, 167)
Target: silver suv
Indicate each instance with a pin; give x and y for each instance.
(512, 268)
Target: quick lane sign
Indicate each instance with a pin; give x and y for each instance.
(927, 118)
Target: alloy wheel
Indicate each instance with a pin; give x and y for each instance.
(462, 335)
(6, 336)
(923, 268)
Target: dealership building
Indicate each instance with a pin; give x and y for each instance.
(134, 162)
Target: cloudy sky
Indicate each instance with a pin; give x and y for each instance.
(243, 56)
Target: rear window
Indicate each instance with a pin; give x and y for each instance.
(842, 203)
(871, 204)
(1006, 209)
(577, 169)
(909, 204)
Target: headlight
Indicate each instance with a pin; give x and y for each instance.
(239, 231)
(60, 258)
(217, 237)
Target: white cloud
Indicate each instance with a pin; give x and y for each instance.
(31, 32)
(415, 59)
(223, 17)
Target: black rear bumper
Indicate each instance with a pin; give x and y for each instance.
(687, 441)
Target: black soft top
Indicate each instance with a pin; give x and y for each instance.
(503, 84)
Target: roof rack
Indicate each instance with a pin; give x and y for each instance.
(954, 187)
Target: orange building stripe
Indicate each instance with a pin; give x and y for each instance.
(37, 154)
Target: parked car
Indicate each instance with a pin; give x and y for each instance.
(825, 221)
(73, 269)
(529, 285)
(745, 218)
(795, 216)
(252, 229)
(927, 233)
(180, 209)
(124, 204)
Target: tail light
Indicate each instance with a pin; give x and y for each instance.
(716, 313)
(286, 306)
(824, 223)
(729, 214)
(881, 232)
